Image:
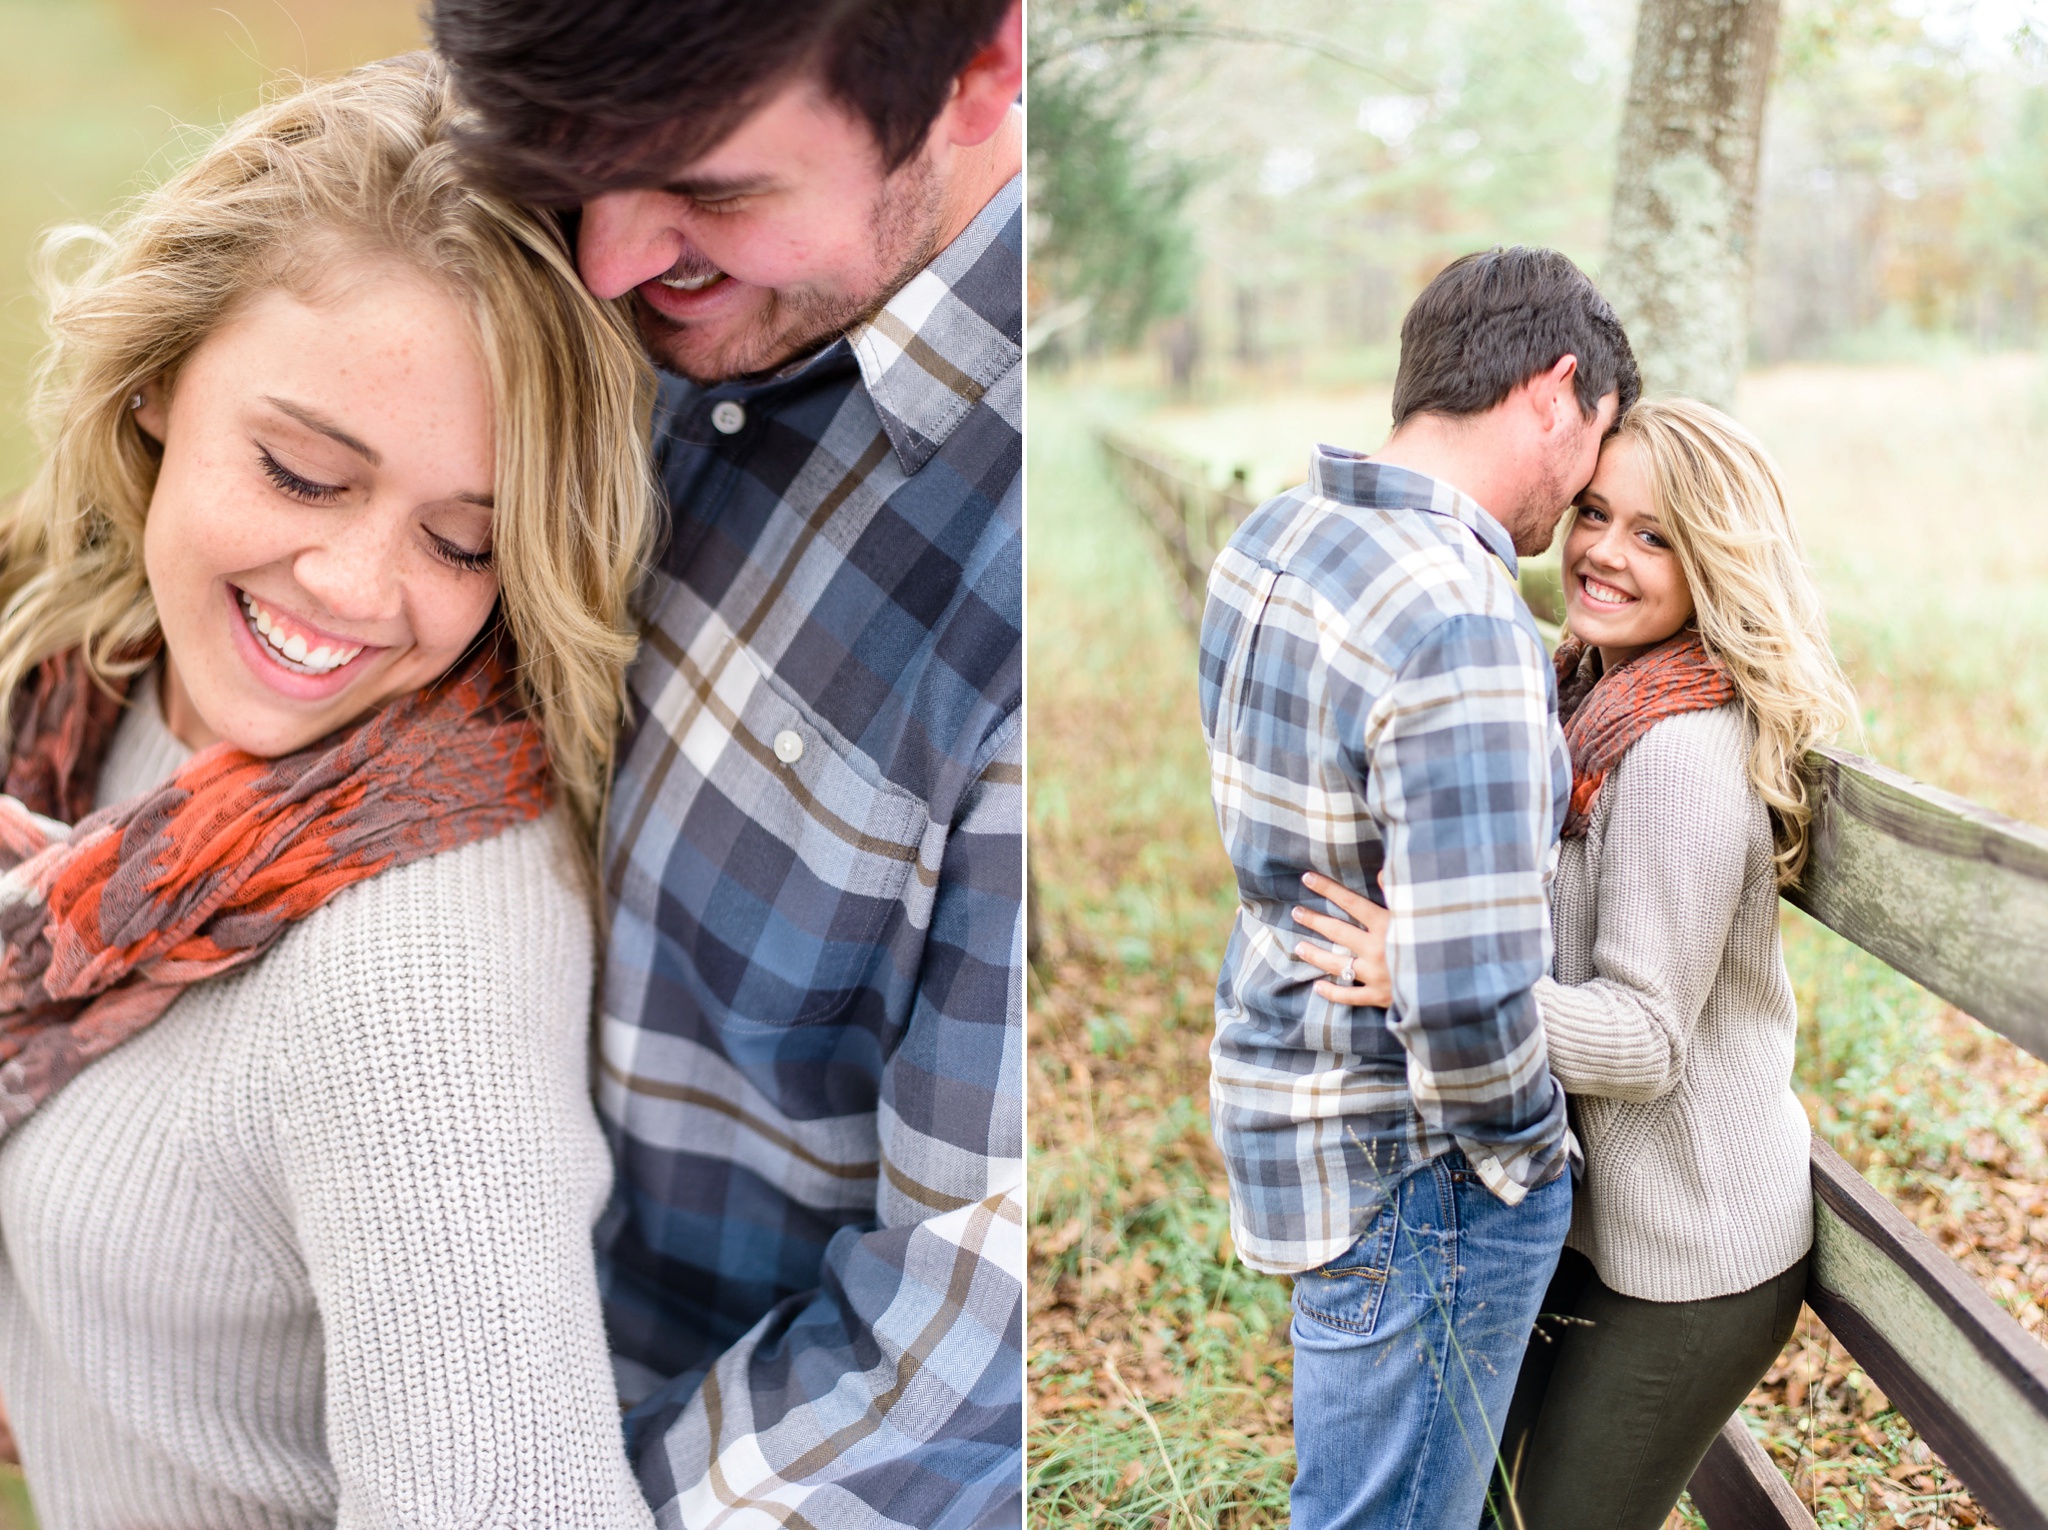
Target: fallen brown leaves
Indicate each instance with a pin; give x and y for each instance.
(1849, 1456)
(1118, 1084)
(1850, 1459)
(1140, 1317)
(1983, 1201)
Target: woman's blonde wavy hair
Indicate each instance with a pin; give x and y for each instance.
(1720, 504)
(360, 167)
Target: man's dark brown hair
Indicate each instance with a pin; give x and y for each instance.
(572, 100)
(1491, 321)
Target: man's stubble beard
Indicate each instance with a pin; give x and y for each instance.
(1546, 507)
(796, 321)
(1531, 525)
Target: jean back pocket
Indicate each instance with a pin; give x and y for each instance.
(1346, 1293)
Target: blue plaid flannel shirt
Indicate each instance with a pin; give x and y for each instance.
(810, 1055)
(1375, 694)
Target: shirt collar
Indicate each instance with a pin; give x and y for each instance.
(1352, 478)
(953, 331)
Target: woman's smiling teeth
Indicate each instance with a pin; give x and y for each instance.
(291, 646)
(1603, 594)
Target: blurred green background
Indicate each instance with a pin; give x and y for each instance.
(1262, 187)
(100, 98)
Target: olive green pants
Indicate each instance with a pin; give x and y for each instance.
(1619, 1398)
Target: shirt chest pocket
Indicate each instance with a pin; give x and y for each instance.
(816, 864)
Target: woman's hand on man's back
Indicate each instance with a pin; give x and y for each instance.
(1360, 945)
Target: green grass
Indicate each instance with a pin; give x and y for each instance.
(1913, 1112)
(1132, 1273)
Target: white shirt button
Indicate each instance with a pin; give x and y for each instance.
(728, 416)
(789, 746)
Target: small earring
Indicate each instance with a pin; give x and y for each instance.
(136, 402)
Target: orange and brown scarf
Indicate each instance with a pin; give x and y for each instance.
(1604, 714)
(100, 932)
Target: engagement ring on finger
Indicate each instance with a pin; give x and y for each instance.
(1348, 973)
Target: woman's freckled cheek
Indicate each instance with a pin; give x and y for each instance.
(216, 522)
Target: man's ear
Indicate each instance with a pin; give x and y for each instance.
(1555, 394)
(152, 414)
(989, 85)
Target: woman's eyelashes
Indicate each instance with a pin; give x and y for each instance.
(290, 483)
(460, 557)
(306, 491)
(1647, 535)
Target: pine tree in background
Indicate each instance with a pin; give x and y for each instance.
(1109, 250)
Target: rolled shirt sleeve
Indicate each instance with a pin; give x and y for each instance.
(1460, 785)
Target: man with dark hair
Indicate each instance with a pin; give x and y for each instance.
(1470, 338)
(1377, 701)
(810, 1060)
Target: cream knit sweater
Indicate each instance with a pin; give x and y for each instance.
(315, 1249)
(1671, 1024)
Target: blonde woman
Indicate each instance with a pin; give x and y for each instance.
(314, 624)
(1695, 677)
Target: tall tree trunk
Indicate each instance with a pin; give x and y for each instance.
(1685, 192)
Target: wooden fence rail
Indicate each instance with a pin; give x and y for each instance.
(1947, 892)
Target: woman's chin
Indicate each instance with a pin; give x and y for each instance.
(1602, 629)
(1588, 628)
(255, 725)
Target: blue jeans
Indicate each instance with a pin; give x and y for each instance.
(1406, 1349)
